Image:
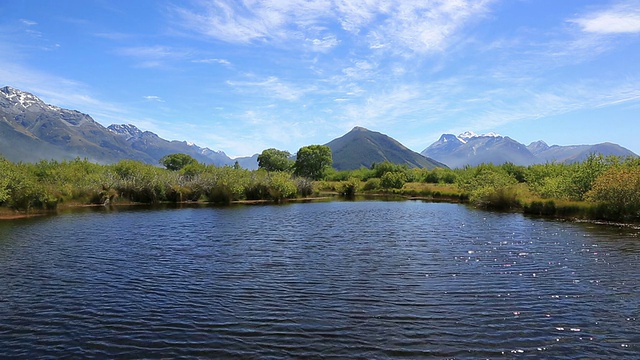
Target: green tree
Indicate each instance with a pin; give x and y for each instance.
(387, 166)
(393, 180)
(582, 175)
(275, 160)
(313, 161)
(177, 161)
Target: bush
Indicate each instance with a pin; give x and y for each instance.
(305, 186)
(349, 188)
(546, 208)
(619, 189)
(281, 186)
(372, 184)
(393, 180)
(504, 198)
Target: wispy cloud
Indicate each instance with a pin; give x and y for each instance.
(28, 22)
(271, 87)
(152, 56)
(212, 61)
(622, 18)
(153, 98)
(399, 25)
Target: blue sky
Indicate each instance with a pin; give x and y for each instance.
(245, 75)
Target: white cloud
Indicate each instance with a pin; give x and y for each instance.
(213, 61)
(271, 87)
(153, 98)
(414, 26)
(323, 45)
(28, 22)
(153, 56)
(620, 19)
(147, 51)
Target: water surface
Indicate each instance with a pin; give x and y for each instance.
(364, 280)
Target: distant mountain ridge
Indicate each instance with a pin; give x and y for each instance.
(31, 130)
(361, 148)
(473, 149)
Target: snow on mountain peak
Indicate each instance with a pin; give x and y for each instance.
(467, 135)
(128, 130)
(18, 97)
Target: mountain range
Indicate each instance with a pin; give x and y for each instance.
(473, 149)
(31, 130)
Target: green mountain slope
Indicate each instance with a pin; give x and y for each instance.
(361, 147)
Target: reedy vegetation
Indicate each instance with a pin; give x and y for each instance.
(600, 187)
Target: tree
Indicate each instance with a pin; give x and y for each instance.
(177, 161)
(393, 180)
(313, 161)
(275, 160)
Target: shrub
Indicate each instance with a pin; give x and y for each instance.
(372, 184)
(305, 186)
(393, 180)
(349, 188)
(281, 186)
(619, 189)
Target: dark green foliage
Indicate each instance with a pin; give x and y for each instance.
(515, 171)
(439, 176)
(393, 180)
(176, 162)
(313, 161)
(382, 168)
(275, 160)
(349, 187)
(582, 175)
(547, 208)
(372, 184)
(46, 184)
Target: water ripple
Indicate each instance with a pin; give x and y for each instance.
(355, 280)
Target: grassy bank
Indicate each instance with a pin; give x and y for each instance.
(598, 188)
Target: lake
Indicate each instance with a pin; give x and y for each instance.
(357, 280)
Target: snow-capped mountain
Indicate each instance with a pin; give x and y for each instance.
(31, 130)
(22, 100)
(157, 147)
(472, 149)
(468, 135)
(127, 130)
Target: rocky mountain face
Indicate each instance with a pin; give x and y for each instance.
(157, 147)
(472, 149)
(31, 130)
(362, 147)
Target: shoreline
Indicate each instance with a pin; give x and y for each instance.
(7, 214)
